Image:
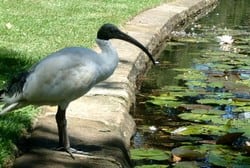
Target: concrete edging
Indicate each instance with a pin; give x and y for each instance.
(100, 120)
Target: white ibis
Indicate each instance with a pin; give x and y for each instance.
(64, 76)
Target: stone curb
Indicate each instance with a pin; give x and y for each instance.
(100, 120)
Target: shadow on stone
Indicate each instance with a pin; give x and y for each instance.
(107, 150)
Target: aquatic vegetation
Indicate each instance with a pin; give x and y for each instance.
(202, 111)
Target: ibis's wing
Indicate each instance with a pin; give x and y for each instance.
(62, 76)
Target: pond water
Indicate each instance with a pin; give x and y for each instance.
(193, 109)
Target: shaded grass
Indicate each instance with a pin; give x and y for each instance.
(31, 29)
(12, 127)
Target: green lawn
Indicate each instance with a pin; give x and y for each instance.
(31, 29)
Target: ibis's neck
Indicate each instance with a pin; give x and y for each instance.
(109, 58)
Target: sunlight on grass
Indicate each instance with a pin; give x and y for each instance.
(37, 28)
(32, 29)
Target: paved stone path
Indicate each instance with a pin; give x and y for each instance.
(100, 122)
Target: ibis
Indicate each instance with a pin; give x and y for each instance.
(64, 76)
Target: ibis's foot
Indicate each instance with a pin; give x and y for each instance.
(72, 151)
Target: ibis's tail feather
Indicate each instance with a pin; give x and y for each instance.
(12, 94)
(11, 103)
(1, 95)
(15, 85)
(8, 107)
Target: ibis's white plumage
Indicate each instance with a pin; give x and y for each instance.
(69, 73)
(66, 75)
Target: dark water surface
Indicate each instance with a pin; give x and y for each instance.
(186, 51)
(230, 14)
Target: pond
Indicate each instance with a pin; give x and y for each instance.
(193, 109)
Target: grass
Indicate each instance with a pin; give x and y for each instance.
(31, 29)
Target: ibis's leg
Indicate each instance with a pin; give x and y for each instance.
(64, 143)
(62, 129)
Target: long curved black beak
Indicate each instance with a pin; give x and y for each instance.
(122, 36)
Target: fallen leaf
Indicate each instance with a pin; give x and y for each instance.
(8, 25)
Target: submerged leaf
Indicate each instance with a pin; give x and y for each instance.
(186, 153)
(152, 166)
(218, 84)
(187, 164)
(229, 138)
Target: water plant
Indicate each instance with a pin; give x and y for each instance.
(205, 102)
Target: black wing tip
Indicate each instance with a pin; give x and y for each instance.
(15, 85)
(1, 94)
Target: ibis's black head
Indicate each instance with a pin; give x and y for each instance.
(110, 31)
(107, 31)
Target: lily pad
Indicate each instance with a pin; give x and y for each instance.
(192, 84)
(210, 111)
(219, 95)
(191, 75)
(224, 156)
(217, 84)
(215, 101)
(167, 100)
(201, 129)
(150, 154)
(202, 118)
